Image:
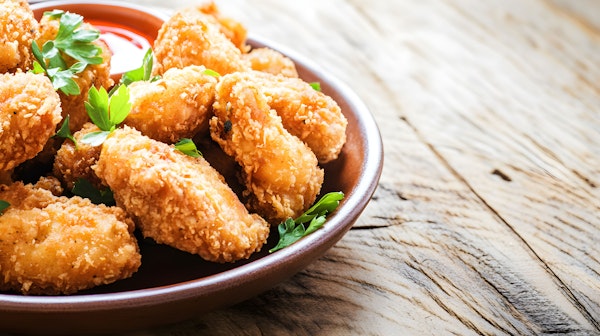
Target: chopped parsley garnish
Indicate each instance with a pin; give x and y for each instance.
(3, 206)
(211, 72)
(84, 188)
(291, 230)
(106, 112)
(188, 147)
(143, 73)
(65, 131)
(316, 86)
(70, 40)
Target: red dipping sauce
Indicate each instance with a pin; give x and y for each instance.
(127, 46)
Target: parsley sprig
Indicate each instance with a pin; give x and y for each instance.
(291, 230)
(106, 111)
(188, 147)
(143, 73)
(85, 188)
(3, 206)
(70, 40)
(65, 131)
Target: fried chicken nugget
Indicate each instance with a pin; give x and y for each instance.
(74, 162)
(29, 112)
(280, 172)
(178, 200)
(97, 75)
(309, 114)
(271, 61)
(176, 106)
(18, 28)
(191, 37)
(234, 30)
(57, 245)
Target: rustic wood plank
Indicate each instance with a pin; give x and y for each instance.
(486, 218)
(523, 148)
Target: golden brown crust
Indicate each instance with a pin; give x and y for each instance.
(18, 28)
(29, 113)
(174, 107)
(58, 245)
(191, 37)
(309, 114)
(178, 200)
(280, 172)
(232, 29)
(271, 61)
(74, 162)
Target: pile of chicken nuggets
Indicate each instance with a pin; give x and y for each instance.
(276, 128)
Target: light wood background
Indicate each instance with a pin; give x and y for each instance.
(487, 216)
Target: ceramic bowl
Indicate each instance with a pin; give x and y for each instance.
(173, 286)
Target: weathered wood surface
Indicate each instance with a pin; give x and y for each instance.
(487, 216)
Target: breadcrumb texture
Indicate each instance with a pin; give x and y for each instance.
(271, 61)
(74, 162)
(56, 245)
(29, 112)
(280, 172)
(176, 106)
(97, 75)
(18, 28)
(311, 115)
(191, 37)
(231, 28)
(178, 200)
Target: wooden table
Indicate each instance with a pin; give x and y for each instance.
(487, 216)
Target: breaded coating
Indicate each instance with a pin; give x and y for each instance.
(74, 162)
(271, 61)
(178, 200)
(57, 245)
(97, 75)
(18, 28)
(191, 37)
(29, 113)
(176, 106)
(280, 172)
(233, 29)
(309, 114)
(50, 183)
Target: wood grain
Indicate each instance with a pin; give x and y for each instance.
(487, 217)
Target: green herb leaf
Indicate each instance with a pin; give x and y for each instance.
(328, 203)
(3, 206)
(316, 86)
(97, 108)
(106, 112)
(70, 40)
(292, 230)
(95, 138)
(84, 188)
(211, 72)
(55, 14)
(63, 80)
(188, 147)
(76, 42)
(142, 73)
(37, 68)
(119, 106)
(65, 131)
(289, 233)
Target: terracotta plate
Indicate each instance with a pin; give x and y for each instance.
(172, 286)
